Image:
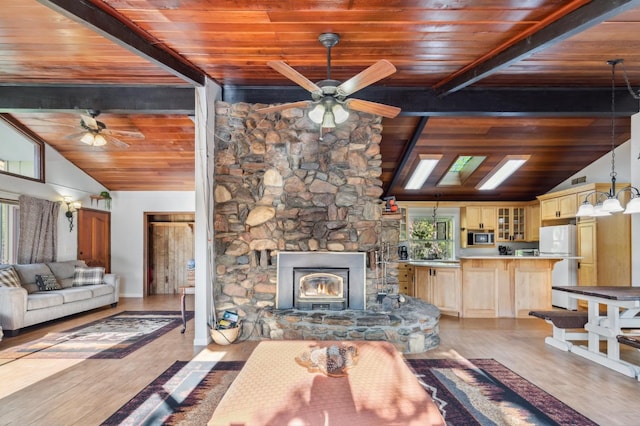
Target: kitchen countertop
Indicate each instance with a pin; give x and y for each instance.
(434, 263)
(511, 257)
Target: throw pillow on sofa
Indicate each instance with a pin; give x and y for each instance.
(88, 276)
(47, 282)
(9, 278)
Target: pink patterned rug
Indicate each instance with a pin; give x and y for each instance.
(472, 392)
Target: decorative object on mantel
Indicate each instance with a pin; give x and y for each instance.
(611, 203)
(72, 207)
(332, 361)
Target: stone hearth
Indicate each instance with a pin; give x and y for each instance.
(412, 326)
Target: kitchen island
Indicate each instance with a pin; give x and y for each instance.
(506, 286)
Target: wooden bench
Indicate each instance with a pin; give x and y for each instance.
(562, 322)
(633, 341)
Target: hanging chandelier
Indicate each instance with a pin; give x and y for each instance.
(609, 202)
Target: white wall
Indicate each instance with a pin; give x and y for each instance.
(127, 231)
(62, 179)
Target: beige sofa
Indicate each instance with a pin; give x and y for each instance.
(26, 305)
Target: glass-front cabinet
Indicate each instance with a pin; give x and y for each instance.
(511, 224)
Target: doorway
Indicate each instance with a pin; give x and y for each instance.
(94, 238)
(170, 252)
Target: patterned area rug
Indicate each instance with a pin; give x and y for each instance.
(472, 392)
(113, 337)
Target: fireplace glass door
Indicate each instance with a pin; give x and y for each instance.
(321, 288)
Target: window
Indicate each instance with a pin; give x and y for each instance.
(21, 152)
(9, 231)
(431, 238)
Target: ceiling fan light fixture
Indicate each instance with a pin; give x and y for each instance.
(87, 138)
(340, 113)
(317, 114)
(328, 120)
(99, 140)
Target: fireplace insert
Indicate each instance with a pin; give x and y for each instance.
(321, 288)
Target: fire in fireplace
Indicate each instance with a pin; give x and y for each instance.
(321, 288)
(321, 280)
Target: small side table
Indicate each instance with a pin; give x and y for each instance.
(189, 289)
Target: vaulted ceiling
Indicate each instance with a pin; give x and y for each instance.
(488, 78)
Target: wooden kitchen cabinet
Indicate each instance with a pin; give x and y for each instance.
(511, 224)
(604, 243)
(440, 287)
(532, 286)
(480, 290)
(532, 216)
(561, 207)
(405, 279)
(478, 217)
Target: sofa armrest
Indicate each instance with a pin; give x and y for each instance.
(114, 280)
(13, 306)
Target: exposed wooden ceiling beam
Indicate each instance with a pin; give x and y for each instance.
(416, 101)
(99, 20)
(404, 159)
(114, 99)
(574, 22)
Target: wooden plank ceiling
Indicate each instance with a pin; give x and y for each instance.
(488, 78)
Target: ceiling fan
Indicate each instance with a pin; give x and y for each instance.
(330, 105)
(96, 133)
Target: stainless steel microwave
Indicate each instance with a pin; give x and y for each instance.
(478, 238)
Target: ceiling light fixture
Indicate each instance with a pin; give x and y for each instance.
(93, 139)
(502, 171)
(328, 113)
(609, 202)
(422, 171)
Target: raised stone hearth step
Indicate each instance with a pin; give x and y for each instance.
(412, 327)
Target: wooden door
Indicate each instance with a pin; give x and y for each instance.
(172, 246)
(94, 238)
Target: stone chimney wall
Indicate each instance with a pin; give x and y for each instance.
(280, 187)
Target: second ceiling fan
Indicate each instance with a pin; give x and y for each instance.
(330, 105)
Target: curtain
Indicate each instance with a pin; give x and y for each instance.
(38, 230)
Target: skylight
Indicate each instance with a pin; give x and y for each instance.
(502, 171)
(461, 169)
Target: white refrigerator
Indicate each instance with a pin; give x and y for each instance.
(561, 240)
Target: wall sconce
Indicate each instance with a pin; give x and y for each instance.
(72, 207)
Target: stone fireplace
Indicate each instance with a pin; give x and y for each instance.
(321, 281)
(295, 216)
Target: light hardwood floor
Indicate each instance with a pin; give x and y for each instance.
(86, 392)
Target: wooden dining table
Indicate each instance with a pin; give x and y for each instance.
(622, 307)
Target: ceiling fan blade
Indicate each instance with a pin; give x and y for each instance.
(293, 75)
(76, 135)
(125, 133)
(90, 122)
(373, 108)
(281, 107)
(375, 72)
(117, 142)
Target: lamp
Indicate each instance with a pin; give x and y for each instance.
(611, 202)
(72, 207)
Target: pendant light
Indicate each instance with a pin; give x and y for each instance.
(609, 202)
